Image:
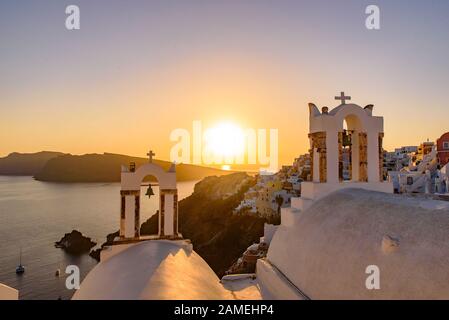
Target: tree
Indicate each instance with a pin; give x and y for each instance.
(280, 201)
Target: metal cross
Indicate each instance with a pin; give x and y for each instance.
(151, 154)
(343, 98)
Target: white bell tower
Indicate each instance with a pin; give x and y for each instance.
(328, 137)
(131, 179)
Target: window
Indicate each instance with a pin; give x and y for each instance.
(409, 181)
(446, 145)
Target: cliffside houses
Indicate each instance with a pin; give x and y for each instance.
(248, 204)
(424, 149)
(419, 169)
(273, 192)
(302, 164)
(402, 156)
(265, 202)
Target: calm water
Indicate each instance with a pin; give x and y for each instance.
(33, 215)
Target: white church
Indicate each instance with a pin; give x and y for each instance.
(342, 239)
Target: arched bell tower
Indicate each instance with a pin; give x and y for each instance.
(363, 135)
(361, 141)
(131, 180)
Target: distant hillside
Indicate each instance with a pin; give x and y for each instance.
(25, 164)
(106, 168)
(206, 218)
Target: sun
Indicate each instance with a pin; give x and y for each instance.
(226, 140)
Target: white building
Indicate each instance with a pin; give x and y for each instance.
(404, 151)
(246, 206)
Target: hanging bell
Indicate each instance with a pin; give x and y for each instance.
(346, 139)
(149, 192)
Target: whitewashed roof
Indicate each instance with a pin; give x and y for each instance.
(153, 270)
(327, 251)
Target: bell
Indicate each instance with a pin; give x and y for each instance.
(346, 139)
(149, 192)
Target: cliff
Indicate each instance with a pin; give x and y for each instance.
(106, 168)
(25, 164)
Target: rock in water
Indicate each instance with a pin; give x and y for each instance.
(75, 243)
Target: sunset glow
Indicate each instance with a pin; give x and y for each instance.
(225, 140)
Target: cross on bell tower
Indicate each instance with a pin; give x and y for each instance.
(150, 155)
(343, 98)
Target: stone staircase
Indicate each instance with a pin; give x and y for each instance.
(290, 215)
(429, 162)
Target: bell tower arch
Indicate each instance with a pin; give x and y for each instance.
(346, 134)
(131, 180)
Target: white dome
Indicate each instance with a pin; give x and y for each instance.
(326, 253)
(153, 270)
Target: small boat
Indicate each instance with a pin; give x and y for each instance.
(20, 268)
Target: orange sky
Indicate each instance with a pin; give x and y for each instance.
(124, 89)
(131, 117)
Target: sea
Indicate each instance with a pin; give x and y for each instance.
(35, 214)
